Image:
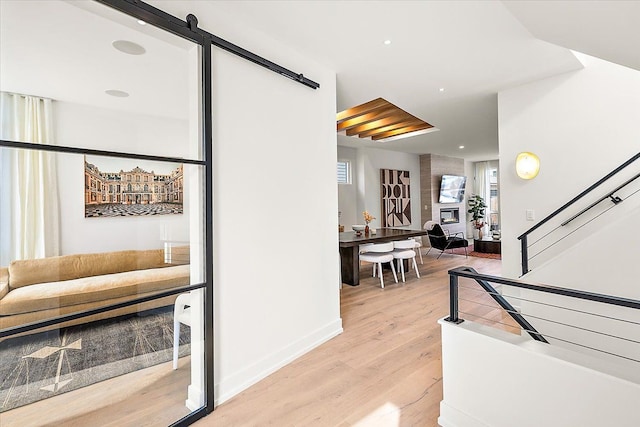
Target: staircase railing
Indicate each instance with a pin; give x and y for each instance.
(524, 246)
(484, 281)
(453, 301)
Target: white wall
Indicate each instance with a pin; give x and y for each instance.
(364, 193)
(369, 163)
(570, 269)
(97, 128)
(348, 193)
(275, 217)
(582, 125)
(495, 379)
(275, 206)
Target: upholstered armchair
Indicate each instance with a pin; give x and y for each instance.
(442, 241)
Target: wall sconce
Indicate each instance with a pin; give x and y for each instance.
(527, 165)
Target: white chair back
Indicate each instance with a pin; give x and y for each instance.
(364, 247)
(404, 244)
(380, 247)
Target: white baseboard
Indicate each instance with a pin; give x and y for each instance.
(451, 417)
(236, 383)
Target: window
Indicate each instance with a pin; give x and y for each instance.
(344, 172)
(486, 185)
(494, 199)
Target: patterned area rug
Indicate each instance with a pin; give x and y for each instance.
(38, 366)
(471, 252)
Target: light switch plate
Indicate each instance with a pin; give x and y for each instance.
(531, 216)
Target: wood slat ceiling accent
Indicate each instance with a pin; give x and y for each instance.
(378, 119)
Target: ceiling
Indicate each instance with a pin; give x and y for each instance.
(66, 54)
(605, 29)
(471, 49)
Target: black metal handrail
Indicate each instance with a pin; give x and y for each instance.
(484, 283)
(484, 280)
(609, 195)
(523, 237)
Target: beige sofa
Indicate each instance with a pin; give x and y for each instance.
(40, 289)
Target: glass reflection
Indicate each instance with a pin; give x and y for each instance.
(80, 232)
(105, 96)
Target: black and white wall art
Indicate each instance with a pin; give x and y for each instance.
(396, 197)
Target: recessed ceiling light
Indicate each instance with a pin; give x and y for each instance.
(461, 147)
(387, 42)
(442, 89)
(117, 93)
(128, 47)
(141, 22)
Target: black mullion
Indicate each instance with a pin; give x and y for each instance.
(93, 152)
(207, 140)
(80, 314)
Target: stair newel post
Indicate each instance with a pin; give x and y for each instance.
(525, 254)
(453, 300)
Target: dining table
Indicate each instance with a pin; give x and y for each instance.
(350, 241)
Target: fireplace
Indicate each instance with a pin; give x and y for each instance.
(449, 215)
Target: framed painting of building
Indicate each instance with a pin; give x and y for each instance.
(396, 197)
(131, 187)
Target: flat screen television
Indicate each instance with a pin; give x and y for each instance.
(452, 189)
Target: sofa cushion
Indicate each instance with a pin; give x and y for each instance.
(43, 296)
(69, 267)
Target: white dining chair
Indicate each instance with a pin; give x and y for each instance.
(378, 254)
(362, 249)
(404, 249)
(181, 314)
(418, 247)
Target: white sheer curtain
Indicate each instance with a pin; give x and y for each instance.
(29, 213)
(482, 187)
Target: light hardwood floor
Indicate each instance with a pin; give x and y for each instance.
(383, 370)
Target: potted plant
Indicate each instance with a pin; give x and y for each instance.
(476, 209)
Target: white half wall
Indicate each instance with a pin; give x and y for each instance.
(495, 379)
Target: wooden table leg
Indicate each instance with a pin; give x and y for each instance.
(350, 265)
